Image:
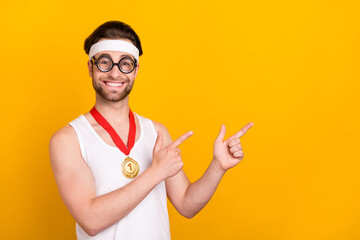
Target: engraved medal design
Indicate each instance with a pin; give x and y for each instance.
(129, 168)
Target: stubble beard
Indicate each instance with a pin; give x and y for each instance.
(114, 95)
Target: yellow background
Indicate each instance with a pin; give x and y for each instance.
(291, 67)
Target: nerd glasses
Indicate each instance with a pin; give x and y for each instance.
(105, 64)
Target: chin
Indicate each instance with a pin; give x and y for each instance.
(114, 97)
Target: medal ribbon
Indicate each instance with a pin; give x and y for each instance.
(115, 137)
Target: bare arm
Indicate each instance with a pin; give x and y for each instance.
(77, 188)
(189, 198)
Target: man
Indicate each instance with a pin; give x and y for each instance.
(116, 190)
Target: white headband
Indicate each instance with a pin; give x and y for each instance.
(114, 45)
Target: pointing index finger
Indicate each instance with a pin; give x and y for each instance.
(242, 131)
(180, 140)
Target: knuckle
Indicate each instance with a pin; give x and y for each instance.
(234, 148)
(239, 154)
(235, 142)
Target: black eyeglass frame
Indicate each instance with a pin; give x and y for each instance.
(113, 64)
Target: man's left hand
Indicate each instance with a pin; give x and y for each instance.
(228, 153)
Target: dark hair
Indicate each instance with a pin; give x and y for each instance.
(113, 30)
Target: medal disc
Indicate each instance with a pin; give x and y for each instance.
(129, 168)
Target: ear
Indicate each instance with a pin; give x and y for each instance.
(90, 67)
(136, 70)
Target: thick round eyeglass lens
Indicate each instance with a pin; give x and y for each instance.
(127, 64)
(104, 63)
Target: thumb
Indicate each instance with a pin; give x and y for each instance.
(221, 136)
(159, 141)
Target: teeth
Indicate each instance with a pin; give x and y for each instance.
(114, 84)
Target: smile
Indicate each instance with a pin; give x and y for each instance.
(114, 84)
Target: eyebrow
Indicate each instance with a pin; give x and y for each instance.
(108, 55)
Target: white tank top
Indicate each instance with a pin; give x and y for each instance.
(149, 219)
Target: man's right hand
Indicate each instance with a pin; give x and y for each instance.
(167, 160)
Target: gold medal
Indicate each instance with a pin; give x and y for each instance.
(129, 167)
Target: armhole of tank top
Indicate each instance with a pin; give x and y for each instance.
(81, 144)
(153, 128)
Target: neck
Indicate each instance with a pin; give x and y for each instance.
(113, 112)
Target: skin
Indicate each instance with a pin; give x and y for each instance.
(76, 182)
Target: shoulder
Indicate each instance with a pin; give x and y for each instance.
(66, 134)
(159, 126)
(63, 135)
(63, 142)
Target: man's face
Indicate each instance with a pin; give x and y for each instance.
(113, 85)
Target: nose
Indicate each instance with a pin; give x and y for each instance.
(115, 72)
